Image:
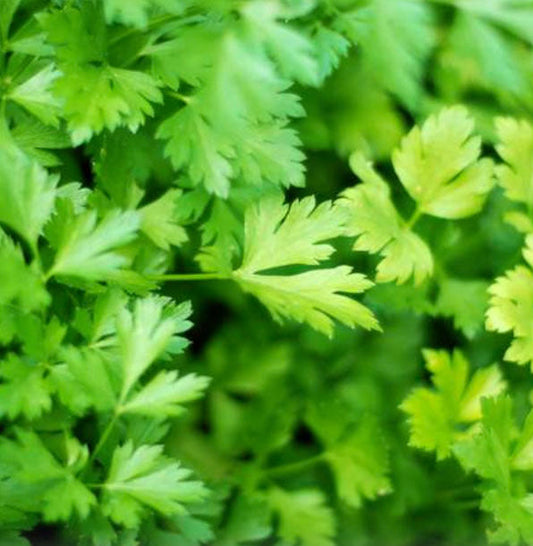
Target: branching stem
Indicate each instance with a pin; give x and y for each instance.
(188, 277)
(291, 468)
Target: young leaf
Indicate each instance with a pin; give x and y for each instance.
(516, 149)
(510, 308)
(437, 415)
(277, 235)
(439, 166)
(379, 228)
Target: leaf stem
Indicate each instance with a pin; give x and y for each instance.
(414, 218)
(188, 277)
(298, 466)
(103, 439)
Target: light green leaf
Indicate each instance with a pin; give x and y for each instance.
(144, 478)
(19, 283)
(437, 416)
(159, 221)
(291, 50)
(24, 389)
(277, 235)
(88, 249)
(105, 98)
(35, 94)
(136, 12)
(379, 228)
(396, 40)
(84, 380)
(439, 165)
(511, 308)
(314, 297)
(193, 144)
(516, 149)
(147, 333)
(165, 394)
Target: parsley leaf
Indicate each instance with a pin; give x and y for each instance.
(379, 228)
(143, 477)
(277, 235)
(436, 416)
(439, 165)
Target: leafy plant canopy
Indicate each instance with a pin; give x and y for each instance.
(266, 272)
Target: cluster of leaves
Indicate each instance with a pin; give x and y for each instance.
(148, 143)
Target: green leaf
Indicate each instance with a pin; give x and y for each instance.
(437, 417)
(136, 12)
(277, 235)
(248, 520)
(24, 390)
(488, 54)
(439, 165)
(270, 153)
(105, 98)
(84, 380)
(379, 228)
(396, 39)
(9, 8)
(59, 493)
(488, 452)
(292, 52)
(20, 284)
(144, 478)
(510, 308)
(359, 462)
(192, 143)
(165, 395)
(88, 249)
(304, 517)
(159, 221)
(465, 301)
(515, 147)
(513, 516)
(147, 333)
(27, 195)
(35, 94)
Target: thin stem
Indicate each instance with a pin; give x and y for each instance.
(103, 439)
(414, 218)
(188, 277)
(291, 468)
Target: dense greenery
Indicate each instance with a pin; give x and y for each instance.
(266, 272)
